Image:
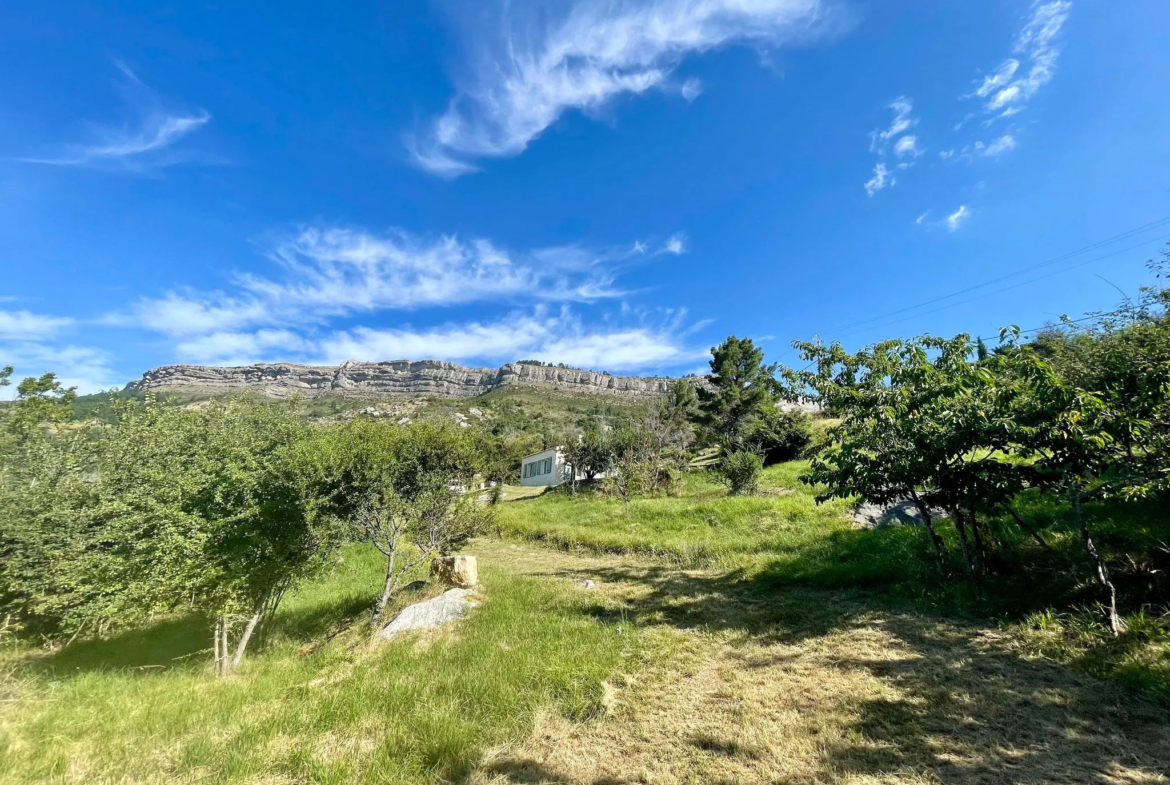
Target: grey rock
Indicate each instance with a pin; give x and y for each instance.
(399, 377)
(903, 513)
(585, 584)
(437, 612)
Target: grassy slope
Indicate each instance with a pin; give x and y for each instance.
(320, 702)
(785, 539)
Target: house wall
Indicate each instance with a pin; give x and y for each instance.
(552, 460)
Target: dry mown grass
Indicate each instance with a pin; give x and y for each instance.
(808, 687)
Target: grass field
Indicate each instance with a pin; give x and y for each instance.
(701, 525)
(753, 640)
(320, 702)
(783, 538)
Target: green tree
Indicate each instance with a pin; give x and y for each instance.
(396, 487)
(740, 388)
(630, 470)
(592, 453)
(39, 401)
(204, 510)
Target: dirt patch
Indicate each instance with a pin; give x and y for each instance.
(761, 686)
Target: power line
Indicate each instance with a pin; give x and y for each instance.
(1003, 289)
(1108, 241)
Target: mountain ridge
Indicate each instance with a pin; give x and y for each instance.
(393, 378)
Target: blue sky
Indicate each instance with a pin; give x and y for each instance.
(614, 184)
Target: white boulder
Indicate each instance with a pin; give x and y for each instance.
(435, 612)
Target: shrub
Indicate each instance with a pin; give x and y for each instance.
(741, 472)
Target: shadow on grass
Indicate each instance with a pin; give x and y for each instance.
(181, 642)
(525, 770)
(969, 711)
(185, 641)
(952, 704)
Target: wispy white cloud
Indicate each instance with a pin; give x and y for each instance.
(333, 276)
(555, 337)
(922, 218)
(581, 55)
(84, 367)
(905, 146)
(903, 121)
(329, 272)
(140, 143)
(675, 244)
(1007, 89)
(636, 343)
(24, 325)
(881, 179)
(29, 345)
(1000, 146)
(957, 218)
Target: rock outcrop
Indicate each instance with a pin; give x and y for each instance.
(400, 377)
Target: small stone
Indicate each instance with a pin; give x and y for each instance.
(459, 571)
(475, 412)
(404, 421)
(585, 584)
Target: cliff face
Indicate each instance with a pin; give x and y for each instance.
(401, 377)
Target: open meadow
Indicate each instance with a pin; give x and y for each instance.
(750, 639)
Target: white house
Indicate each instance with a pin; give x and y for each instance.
(545, 468)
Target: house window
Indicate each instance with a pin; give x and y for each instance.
(548, 465)
(527, 470)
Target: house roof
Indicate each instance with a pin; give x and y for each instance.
(542, 452)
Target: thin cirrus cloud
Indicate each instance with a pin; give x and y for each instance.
(331, 274)
(1007, 90)
(582, 55)
(905, 146)
(957, 218)
(146, 140)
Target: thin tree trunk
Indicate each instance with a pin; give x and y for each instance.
(1100, 569)
(1023, 525)
(387, 590)
(939, 548)
(980, 547)
(626, 499)
(242, 645)
(225, 663)
(215, 640)
(961, 528)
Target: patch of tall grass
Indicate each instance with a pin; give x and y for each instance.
(699, 525)
(320, 701)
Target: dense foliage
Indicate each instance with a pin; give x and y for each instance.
(965, 433)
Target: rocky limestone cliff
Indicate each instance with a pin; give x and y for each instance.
(400, 377)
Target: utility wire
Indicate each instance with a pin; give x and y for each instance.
(1003, 289)
(1100, 244)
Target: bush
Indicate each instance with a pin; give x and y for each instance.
(741, 472)
(782, 435)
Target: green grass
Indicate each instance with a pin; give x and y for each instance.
(701, 525)
(320, 701)
(783, 538)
